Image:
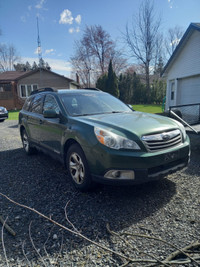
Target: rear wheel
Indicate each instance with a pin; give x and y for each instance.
(26, 144)
(78, 168)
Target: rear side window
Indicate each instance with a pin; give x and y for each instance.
(36, 105)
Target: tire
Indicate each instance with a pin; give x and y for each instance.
(26, 144)
(2, 121)
(78, 169)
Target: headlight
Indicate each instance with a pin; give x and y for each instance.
(114, 141)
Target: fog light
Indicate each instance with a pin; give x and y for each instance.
(120, 174)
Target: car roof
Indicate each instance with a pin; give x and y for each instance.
(64, 91)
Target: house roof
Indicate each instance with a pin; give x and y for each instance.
(192, 27)
(9, 76)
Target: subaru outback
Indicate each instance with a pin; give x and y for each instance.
(100, 139)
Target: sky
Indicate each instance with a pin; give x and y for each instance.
(61, 22)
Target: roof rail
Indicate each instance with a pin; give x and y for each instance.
(40, 90)
(91, 88)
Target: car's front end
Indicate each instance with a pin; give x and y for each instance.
(131, 148)
(3, 114)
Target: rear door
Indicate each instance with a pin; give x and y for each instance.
(35, 118)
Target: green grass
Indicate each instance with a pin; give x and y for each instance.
(13, 115)
(148, 108)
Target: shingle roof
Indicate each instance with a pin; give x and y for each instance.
(16, 75)
(192, 27)
(12, 75)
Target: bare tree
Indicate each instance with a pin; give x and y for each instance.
(8, 57)
(142, 38)
(173, 38)
(93, 54)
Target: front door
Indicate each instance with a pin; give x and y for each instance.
(51, 128)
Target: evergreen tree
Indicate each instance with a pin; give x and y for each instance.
(34, 66)
(101, 82)
(112, 82)
(27, 66)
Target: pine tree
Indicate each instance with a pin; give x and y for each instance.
(101, 82)
(34, 66)
(112, 82)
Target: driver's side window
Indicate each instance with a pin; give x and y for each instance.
(51, 104)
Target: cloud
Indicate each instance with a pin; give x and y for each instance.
(38, 50)
(78, 19)
(40, 4)
(72, 30)
(66, 17)
(170, 3)
(49, 51)
(175, 42)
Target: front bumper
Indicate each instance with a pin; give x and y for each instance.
(145, 175)
(146, 166)
(3, 116)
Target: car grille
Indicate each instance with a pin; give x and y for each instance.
(161, 141)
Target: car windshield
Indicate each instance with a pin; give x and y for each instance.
(84, 104)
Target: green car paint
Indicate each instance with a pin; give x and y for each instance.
(56, 134)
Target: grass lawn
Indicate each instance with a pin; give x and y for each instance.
(13, 115)
(148, 108)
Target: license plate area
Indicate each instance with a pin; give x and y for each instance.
(171, 156)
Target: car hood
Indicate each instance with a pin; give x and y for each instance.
(138, 123)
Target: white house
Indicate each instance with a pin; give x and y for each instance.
(182, 71)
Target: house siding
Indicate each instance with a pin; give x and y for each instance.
(186, 66)
(188, 61)
(45, 79)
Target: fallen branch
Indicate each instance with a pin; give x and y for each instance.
(74, 232)
(185, 249)
(3, 245)
(7, 227)
(128, 243)
(165, 242)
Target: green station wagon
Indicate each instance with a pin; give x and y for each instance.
(100, 139)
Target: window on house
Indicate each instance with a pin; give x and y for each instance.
(5, 87)
(26, 89)
(172, 90)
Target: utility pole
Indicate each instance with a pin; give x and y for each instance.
(39, 50)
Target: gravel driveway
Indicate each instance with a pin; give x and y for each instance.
(168, 209)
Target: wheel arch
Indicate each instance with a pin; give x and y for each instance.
(67, 145)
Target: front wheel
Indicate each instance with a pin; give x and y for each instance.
(78, 168)
(26, 144)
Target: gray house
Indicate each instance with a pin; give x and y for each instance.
(16, 86)
(182, 71)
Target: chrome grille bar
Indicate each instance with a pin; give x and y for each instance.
(161, 141)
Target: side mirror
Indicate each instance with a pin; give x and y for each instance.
(51, 113)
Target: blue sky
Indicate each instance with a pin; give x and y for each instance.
(61, 22)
